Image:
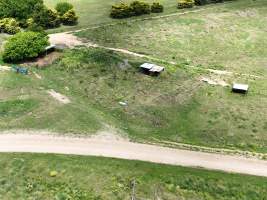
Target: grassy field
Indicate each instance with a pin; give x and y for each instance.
(174, 107)
(95, 12)
(27, 176)
(229, 36)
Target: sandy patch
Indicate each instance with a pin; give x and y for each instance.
(5, 68)
(214, 81)
(37, 75)
(65, 39)
(41, 143)
(59, 97)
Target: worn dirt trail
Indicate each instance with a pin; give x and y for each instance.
(123, 149)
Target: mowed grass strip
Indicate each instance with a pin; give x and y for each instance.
(43, 176)
(229, 37)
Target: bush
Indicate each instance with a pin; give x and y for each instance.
(139, 8)
(9, 25)
(121, 10)
(69, 18)
(185, 4)
(24, 45)
(18, 9)
(63, 7)
(201, 2)
(157, 8)
(45, 17)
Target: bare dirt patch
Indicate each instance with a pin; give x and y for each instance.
(64, 38)
(44, 60)
(59, 97)
(5, 68)
(214, 81)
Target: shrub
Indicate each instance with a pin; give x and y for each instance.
(24, 45)
(201, 2)
(156, 8)
(45, 17)
(63, 7)
(185, 4)
(121, 10)
(139, 8)
(9, 25)
(18, 9)
(69, 18)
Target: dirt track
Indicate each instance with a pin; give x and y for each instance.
(43, 143)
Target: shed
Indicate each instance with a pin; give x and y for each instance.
(240, 88)
(50, 48)
(151, 68)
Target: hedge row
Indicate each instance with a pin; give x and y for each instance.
(34, 15)
(135, 8)
(190, 3)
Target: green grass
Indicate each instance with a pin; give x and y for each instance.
(95, 12)
(227, 36)
(175, 106)
(25, 104)
(27, 176)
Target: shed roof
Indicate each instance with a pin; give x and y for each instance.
(147, 66)
(238, 86)
(50, 47)
(152, 67)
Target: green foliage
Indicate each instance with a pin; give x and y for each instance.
(120, 10)
(9, 25)
(28, 174)
(139, 8)
(16, 107)
(24, 45)
(123, 10)
(45, 17)
(63, 7)
(185, 4)
(200, 2)
(18, 9)
(156, 7)
(69, 18)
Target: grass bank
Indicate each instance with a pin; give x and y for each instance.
(27, 176)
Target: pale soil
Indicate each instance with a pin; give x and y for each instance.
(214, 81)
(64, 38)
(59, 97)
(5, 68)
(36, 142)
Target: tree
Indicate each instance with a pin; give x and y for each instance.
(69, 18)
(18, 9)
(9, 25)
(63, 7)
(24, 45)
(45, 17)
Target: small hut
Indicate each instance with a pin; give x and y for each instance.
(240, 88)
(50, 48)
(151, 69)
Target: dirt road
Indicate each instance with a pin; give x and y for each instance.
(43, 143)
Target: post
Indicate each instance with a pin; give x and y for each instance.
(133, 190)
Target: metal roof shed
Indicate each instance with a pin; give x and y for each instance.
(240, 88)
(146, 66)
(50, 47)
(151, 68)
